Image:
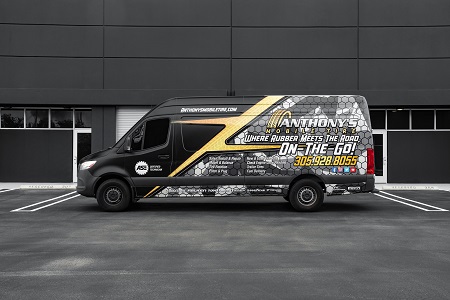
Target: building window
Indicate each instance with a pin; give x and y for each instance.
(410, 119)
(422, 119)
(36, 118)
(62, 118)
(443, 119)
(398, 119)
(378, 119)
(12, 118)
(58, 118)
(83, 118)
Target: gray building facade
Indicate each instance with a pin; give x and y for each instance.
(103, 55)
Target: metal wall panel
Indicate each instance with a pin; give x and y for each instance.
(294, 42)
(406, 74)
(404, 12)
(109, 132)
(36, 155)
(74, 12)
(167, 42)
(46, 40)
(418, 157)
(295, 13)
(200, 29)
(166, 73)
(168, 13)
(294, 74)
(55, 97)
(406, 98)
(97, 129)
(40, 72)
(103, 127)
(83, 97)
(404, 42)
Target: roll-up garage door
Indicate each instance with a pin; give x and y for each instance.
(127, 116)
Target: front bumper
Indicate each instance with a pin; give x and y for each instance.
(86, 183)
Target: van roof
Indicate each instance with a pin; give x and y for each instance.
(228, 100)
(186, 101)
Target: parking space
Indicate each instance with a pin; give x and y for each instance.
(359, 246)
(47, 203)
(430, 201)
(16, 200)
(19, 199)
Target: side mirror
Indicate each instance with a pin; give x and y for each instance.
(127, 144)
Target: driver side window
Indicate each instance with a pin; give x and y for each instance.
(150, 134)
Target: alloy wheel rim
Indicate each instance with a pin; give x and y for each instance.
(307, 195)
(113, 195)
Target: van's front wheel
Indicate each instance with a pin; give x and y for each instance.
(113, 195)
(306, 195)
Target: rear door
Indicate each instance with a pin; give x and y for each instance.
(150, 160)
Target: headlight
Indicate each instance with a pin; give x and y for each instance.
(87, 164)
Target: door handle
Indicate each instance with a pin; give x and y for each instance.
(163, 156)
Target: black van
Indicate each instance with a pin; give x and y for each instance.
(298, 147)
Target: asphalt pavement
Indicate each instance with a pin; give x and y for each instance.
(55, 244)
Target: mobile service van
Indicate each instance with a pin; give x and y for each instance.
(298, 147)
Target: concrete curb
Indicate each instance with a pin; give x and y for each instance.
(48, 187)
(407, 187)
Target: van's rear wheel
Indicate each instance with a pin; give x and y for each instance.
(306, 195)
(113, 195)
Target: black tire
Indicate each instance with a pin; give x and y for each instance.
(306, 195)
(286, 198)
(114, 195)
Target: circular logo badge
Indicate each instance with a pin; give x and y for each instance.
(141, 167)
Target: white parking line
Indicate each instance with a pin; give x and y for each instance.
(45, 201)
(4, 191)
(409, 204)
(424, 204)
(378, 195)
(53, 203)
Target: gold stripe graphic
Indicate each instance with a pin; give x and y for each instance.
(232, 126)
